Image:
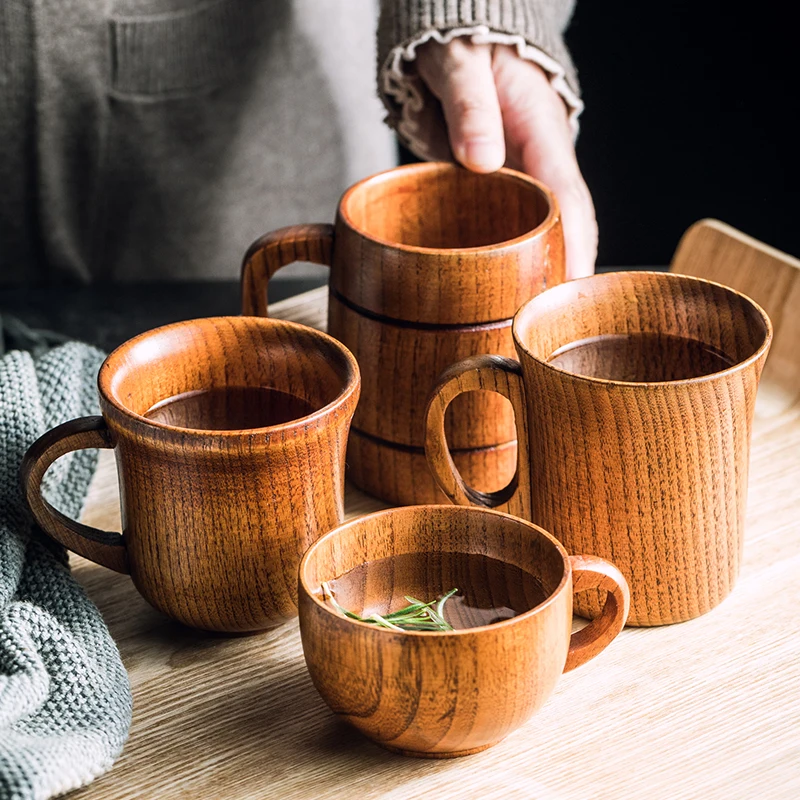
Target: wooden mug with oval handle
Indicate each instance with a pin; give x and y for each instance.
(650, 474)
(215, 521)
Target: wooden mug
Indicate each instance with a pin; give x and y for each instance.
(429, 263)
(634, 396)
(445, 694)
(215, 520)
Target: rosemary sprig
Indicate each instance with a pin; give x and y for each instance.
(416, 616)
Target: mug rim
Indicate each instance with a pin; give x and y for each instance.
(553, 213)
(351, 384)
(551, 598)
(738, 366)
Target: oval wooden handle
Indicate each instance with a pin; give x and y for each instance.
(102, 547)
(277, 249)
(496, 374)
(590, 572)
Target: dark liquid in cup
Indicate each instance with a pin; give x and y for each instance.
(489, 590)
(640, 357)
(230, 408)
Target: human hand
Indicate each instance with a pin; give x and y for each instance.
(501, 109)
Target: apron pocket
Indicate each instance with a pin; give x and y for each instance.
(181, 53)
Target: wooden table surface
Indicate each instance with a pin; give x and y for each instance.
(705, 709)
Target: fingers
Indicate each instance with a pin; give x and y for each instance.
(460, 75)
(497, 104)
(577, 210)
(580, 228)
(540, 143)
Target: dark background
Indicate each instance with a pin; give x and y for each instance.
(690, 113)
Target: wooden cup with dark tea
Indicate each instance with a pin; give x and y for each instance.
(441, 693)
(230, 437)
(634, 396)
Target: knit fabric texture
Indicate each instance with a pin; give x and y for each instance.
(152, 140)
(65, 700)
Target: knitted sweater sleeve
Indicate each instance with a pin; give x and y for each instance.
(534, 27)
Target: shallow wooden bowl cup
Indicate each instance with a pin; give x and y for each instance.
(214, 521)
(448, 694)
(429, 263)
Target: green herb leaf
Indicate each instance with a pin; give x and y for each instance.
(417, 616)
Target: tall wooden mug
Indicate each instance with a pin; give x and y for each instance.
(429, 263)
(214, 521)
(632, 447)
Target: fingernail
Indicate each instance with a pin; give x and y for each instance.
(483, 155)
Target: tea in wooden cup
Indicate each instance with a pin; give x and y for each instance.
(230, 438)
(429, 263)
(634, 396)
(440, 694)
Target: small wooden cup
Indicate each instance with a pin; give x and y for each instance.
(650, 471)
(440, 695)
(214, 521)
(429, 263)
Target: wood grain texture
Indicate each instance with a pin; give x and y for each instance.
(429, 262)
(429, 243)
(596, 575)
(705, 709)
(651, 476)
(446, 694)
(437, 244)
(276, 249)
(87, 433)
(399, 366)
(479, 373)
(715, 251)
(215, 521)
(401, 476)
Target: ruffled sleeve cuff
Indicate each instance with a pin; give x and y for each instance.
(533, 27)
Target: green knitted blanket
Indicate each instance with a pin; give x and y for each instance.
(65, 701)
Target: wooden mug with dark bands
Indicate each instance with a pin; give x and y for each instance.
(215, 520)
(429, 263)
(634, 396)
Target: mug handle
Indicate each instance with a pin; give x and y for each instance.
(102, 547)
(277, 249)
(591, 572)
(496, 374)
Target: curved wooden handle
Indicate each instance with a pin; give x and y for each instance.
(274, 250)
(496, 374)
(102, 547)
(590, 572)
